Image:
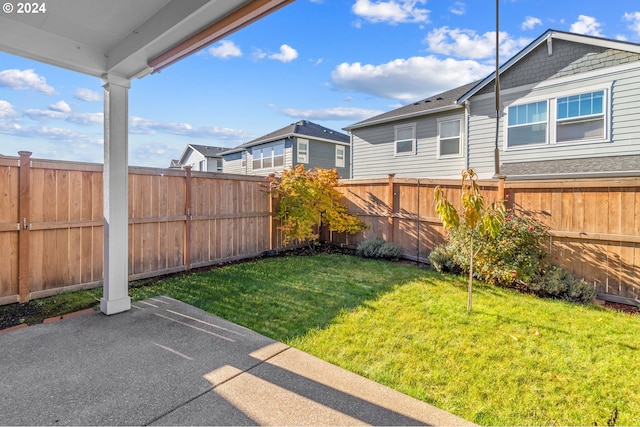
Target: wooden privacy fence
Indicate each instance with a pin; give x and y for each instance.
(51, 223)
(594, 224)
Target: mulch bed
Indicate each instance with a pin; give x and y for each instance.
(625, 308)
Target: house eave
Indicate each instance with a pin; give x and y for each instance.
(445, 108)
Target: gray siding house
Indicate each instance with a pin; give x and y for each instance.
(202, 158)
(569, 106)
(303, 142)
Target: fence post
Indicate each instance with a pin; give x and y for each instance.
(391, 207)
(187, 229)
(501, 179)
(24, 209)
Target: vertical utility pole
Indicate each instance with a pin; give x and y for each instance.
(496, 152)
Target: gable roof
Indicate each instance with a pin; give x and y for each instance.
(302, 128)
(444, 101)
(206, 150)
(547, 37)
(455, 98)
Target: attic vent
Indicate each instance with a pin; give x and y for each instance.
(416, 103)
(428, 100)
(439, 98)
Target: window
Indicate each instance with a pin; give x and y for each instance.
(580, 117)
(303, 151)
(567, 118)
(268, 157)
(527, 124)
(202, 165)
(257, 158)
(449, 137)
(278, 155)
(339, 156)
(243, 159)
(405, 142)
(219, 165)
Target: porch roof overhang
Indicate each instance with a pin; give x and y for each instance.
(121, 38)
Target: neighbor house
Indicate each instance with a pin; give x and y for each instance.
(569, 106)
(303, 142)
(202, 158)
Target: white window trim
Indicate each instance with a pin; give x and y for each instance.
(413, 141)
(302, 158)
(552, 117)
(462, 137)
(340, 163)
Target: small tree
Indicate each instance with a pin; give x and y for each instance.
(475, 215)
(309, 199)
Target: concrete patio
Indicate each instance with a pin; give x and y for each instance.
(165, 362)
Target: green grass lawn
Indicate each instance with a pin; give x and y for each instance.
(515, 360)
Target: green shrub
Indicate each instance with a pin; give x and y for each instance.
(389, 251)
(516, 254)
(441, 258)
(378, 248)
(556, 282)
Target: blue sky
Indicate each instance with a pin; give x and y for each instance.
(334, 62)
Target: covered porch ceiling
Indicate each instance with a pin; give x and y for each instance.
(123, 38)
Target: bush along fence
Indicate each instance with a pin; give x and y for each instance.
(593, 224)
(51, 223)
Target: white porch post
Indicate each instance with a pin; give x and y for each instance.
(116, 200)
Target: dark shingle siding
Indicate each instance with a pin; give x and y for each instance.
(594, 165)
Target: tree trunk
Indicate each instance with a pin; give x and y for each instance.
(470, 288)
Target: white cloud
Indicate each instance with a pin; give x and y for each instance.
(60, 106)
(225, 49)
(87, 95)
(258, 54)
(408, 79)
(51, 133)
(67, 116)
(6, 110)
(458, 8)
(391, 11)
(336, 113)
(587, 25)
(25, 80)
(139, 125)
(530, 23)
(286, 54)
(463, 43)
(634, 18)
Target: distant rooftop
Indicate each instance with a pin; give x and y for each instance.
(442, 100)
(300, 128)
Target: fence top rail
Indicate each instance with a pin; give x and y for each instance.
(9, 161)
(448, 182)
